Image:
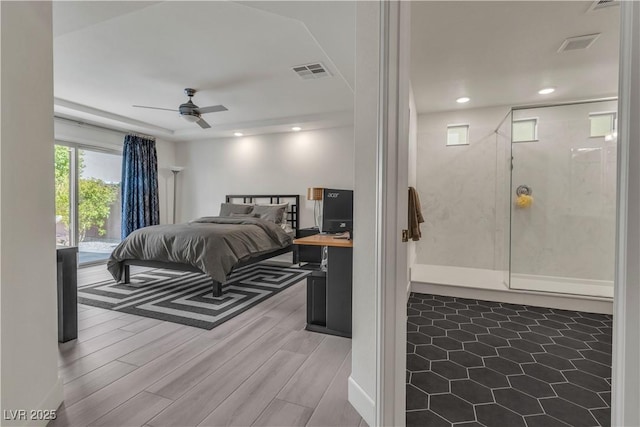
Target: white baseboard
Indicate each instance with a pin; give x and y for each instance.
(362, 402)
(52, 401)
(477, 283)
(559, 301)
(563, 285)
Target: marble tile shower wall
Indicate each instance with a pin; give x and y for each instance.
(569, 230)
(462, 190)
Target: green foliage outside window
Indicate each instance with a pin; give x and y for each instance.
(95, 195)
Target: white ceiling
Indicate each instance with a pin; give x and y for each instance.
(109, 56)
(502, 53)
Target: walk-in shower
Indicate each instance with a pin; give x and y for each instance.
(527, 205)
(564, 241)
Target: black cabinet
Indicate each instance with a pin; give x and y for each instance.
(329, 294)
(317, 298)
(339, 290)
(306, 253)
(67, 262)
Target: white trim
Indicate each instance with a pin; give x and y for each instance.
(89, 147)
(362, 402)
(382, 371)
(392, 195)
(537, 299)
(52, 401)
(625, 410)
(612, 114)
(458, 126)
(562, 285)
(535, 129)
(110, 116)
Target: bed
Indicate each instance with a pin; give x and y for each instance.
(213, 245)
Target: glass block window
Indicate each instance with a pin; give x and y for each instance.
(524, 130)
(602, 124)
(458, 135)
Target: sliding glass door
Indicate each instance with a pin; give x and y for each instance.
(65, 195)
(88, 200)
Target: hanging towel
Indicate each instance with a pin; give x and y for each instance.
(415, 215)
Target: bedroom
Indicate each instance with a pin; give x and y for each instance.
(282, 133)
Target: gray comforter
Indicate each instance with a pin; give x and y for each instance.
(212, 244)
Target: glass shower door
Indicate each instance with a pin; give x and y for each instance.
(563, 199)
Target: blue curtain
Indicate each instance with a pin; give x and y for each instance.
(140, 206)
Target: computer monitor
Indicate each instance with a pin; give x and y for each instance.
(337, 210)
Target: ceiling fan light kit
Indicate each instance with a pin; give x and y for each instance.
(190, 111)
(190, 117)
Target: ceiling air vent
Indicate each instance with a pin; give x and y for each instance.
(578, 43)
(312, 71)
(602, 4)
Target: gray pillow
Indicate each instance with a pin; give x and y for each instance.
(226, 209)
(241, 215)
(273, 213)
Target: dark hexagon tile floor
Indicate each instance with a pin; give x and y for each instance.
(483, 363)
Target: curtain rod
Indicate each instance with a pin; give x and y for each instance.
(104, 128)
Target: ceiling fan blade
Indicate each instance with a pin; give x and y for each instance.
(212, 109)
(203, 124)
(154, 108)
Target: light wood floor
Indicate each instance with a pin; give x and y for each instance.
(261, 368)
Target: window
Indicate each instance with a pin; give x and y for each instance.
(602, 124)
(458, 135)
(524, 130)
(87, 194)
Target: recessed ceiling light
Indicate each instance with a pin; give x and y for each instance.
(546, 91)
(296, 128)
(463, 100)
(238, 134)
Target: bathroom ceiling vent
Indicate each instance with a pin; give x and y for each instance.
(578, 43)
(312, 71)
(603, 4)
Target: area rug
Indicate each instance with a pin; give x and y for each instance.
(186, 298)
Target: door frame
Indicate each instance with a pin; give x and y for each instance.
(392, 194)
(73, 190)
(625, 410)
(390, 393)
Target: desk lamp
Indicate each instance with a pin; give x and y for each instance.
(315, 194)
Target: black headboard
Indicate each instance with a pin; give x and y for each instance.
(292, 212)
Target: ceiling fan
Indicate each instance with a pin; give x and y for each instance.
(190, 111)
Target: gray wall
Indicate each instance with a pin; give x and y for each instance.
(286, 163)
(459, 190)
(466, 195)
(28, 349)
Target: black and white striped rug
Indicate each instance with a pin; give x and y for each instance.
(186, 298)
